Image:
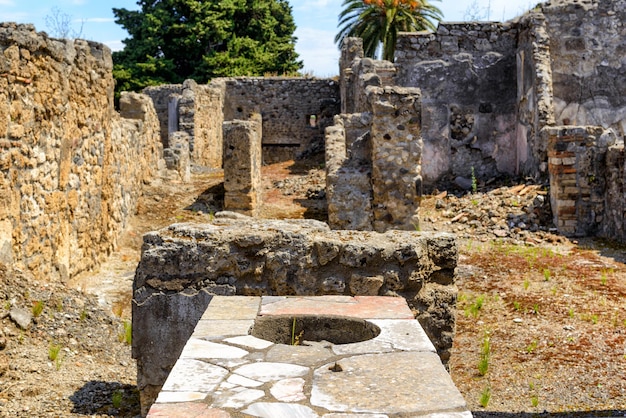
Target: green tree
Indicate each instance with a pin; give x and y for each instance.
(378, 22)
(173, 40)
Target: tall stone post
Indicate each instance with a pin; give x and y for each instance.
(242, 165)
(396, 157)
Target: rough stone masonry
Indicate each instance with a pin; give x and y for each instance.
(183, 265)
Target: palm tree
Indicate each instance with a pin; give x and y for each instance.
(379, 21)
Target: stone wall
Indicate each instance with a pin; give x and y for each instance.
(295, 111)
(201, 117)
(588, 48)
(183, 265)
(534, 95)
(71, 169)
(467, 74)
(358, 73)
(161, 97)
(614, 225)
(396, 157)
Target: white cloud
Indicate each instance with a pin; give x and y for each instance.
(311, 5)
(114, 45)
(96, 20)
(318, 51)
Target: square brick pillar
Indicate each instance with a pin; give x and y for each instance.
(577, 167)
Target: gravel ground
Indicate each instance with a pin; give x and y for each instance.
(541, 321)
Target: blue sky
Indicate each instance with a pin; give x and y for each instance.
(316, 21)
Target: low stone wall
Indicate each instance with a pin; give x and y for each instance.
(71, 169)
(183, 265)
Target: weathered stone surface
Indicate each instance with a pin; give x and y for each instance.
(242, 165)
(469, 92)
(71, 170)
(22, 317)
(268, 257)
(364, 385)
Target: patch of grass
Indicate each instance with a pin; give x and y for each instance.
(53, 351)
(38, 308)
(534, 400)
(516, 305)
(485, 355)
(536, 309)
(54, 354)
(531, 347)
(570, 313)
(474, 308)
(116, 398)
(474, 182)
(126, 336)
(485, 397)
(83, 315)
(526, 283)
(546, 275)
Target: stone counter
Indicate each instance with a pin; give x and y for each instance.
(184, 265)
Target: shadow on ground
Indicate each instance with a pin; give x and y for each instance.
(209, 201)
(108, 398)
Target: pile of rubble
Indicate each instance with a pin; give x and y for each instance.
(519, 214)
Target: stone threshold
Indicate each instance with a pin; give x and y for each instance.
(224, 371)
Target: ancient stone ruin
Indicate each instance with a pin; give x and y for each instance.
(542, 96)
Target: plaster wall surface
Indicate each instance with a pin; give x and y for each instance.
(467, 74)
(588, 48)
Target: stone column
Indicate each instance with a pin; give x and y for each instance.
(242, 165)
(396, 157)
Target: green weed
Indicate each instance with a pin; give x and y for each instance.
(534, 400)
(531, 347)
(485, 355)
(38, 308)
(485, 397)
(474, 308)
(546, 275)
(526, 283)
(570, 313)
(126, 336)
(517, 305)
(474, 181)
(116, 398)
(54, 354)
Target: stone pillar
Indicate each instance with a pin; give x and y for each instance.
(348, 172)
(177, 155)
(577, 167)
(351, 50)
(242, 165)
(396, 157)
